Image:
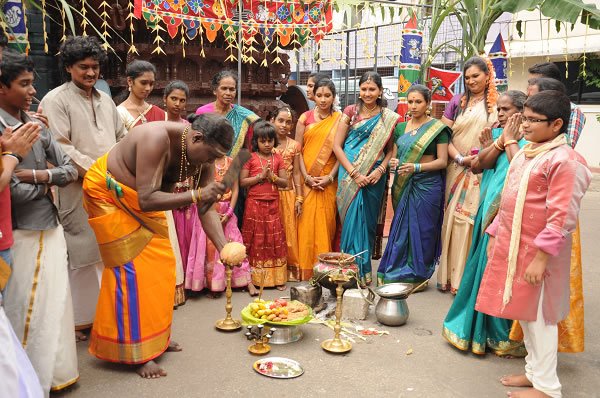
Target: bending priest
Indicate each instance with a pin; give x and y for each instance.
(125, 194)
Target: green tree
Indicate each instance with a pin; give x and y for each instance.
(477, 16)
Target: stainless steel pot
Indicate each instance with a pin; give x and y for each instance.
(392, 310)
(285, 334)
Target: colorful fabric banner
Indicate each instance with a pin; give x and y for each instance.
(440, 83)
(15, 25)
(289, 20)
(410, 62)
(498, 56)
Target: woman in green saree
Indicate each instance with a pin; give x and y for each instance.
(364, 147)
(464, 327)
(414, 244)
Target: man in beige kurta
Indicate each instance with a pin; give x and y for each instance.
(86, 124)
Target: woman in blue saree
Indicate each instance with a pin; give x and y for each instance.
(464, 327)
(413, 247)
(363, 146)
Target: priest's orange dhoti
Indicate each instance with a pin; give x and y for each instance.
(135, 305)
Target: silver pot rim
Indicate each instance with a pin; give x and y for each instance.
(396, 290)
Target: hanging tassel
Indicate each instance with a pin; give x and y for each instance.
(201, 33)
(44, 32)
(28, 46)
(183, 41)
(130, 16)
(157, 40)
(64, 25)
(84, 20)
(105, 17)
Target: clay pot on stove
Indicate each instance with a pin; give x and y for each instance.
(333, 262)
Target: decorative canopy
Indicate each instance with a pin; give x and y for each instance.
(278, 23)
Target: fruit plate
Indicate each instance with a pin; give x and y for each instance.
(278, 367)
(249, 319)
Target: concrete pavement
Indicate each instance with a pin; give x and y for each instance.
(215, 364)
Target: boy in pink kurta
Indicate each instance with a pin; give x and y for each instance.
(527, 275)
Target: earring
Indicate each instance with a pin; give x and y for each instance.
(408, 113)
(129, 88)
(428, 112)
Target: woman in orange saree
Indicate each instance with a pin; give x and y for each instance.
(318, 165)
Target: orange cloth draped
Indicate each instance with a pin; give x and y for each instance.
(571, 333)
(317, 223)
(135, 305)
(287, 203)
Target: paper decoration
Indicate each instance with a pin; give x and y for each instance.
(410, 62)
(498, 56)
(440, 83)
(16, 25)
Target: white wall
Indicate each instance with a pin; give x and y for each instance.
(589, 142)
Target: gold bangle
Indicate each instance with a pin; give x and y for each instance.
(498, 146)
(194, 198)
(510, 142)
(330, 177)
(273, 179)
(199, 191)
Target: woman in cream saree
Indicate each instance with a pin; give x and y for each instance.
(467, 115)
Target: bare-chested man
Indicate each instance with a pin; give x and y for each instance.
(125, 194)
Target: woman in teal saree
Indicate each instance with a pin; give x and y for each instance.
(414, 243)
(224, 85)
(363, 147)
(464, 327)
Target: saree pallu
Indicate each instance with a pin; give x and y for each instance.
(152, 114)
(179, 275)
(37, 301)
(571, 331)
(359, 207)
(317, 223)
(215, 271)
(462, 197)
(414, 246)
(241, 120)
(464, 327)
(135, 306)
(265, 242)
(287, 207)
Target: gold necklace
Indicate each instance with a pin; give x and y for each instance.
(475, 101)
(183, 161)
(413, 131)
(321, 116)
(370, 110)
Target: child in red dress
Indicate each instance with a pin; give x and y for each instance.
(262, 229)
